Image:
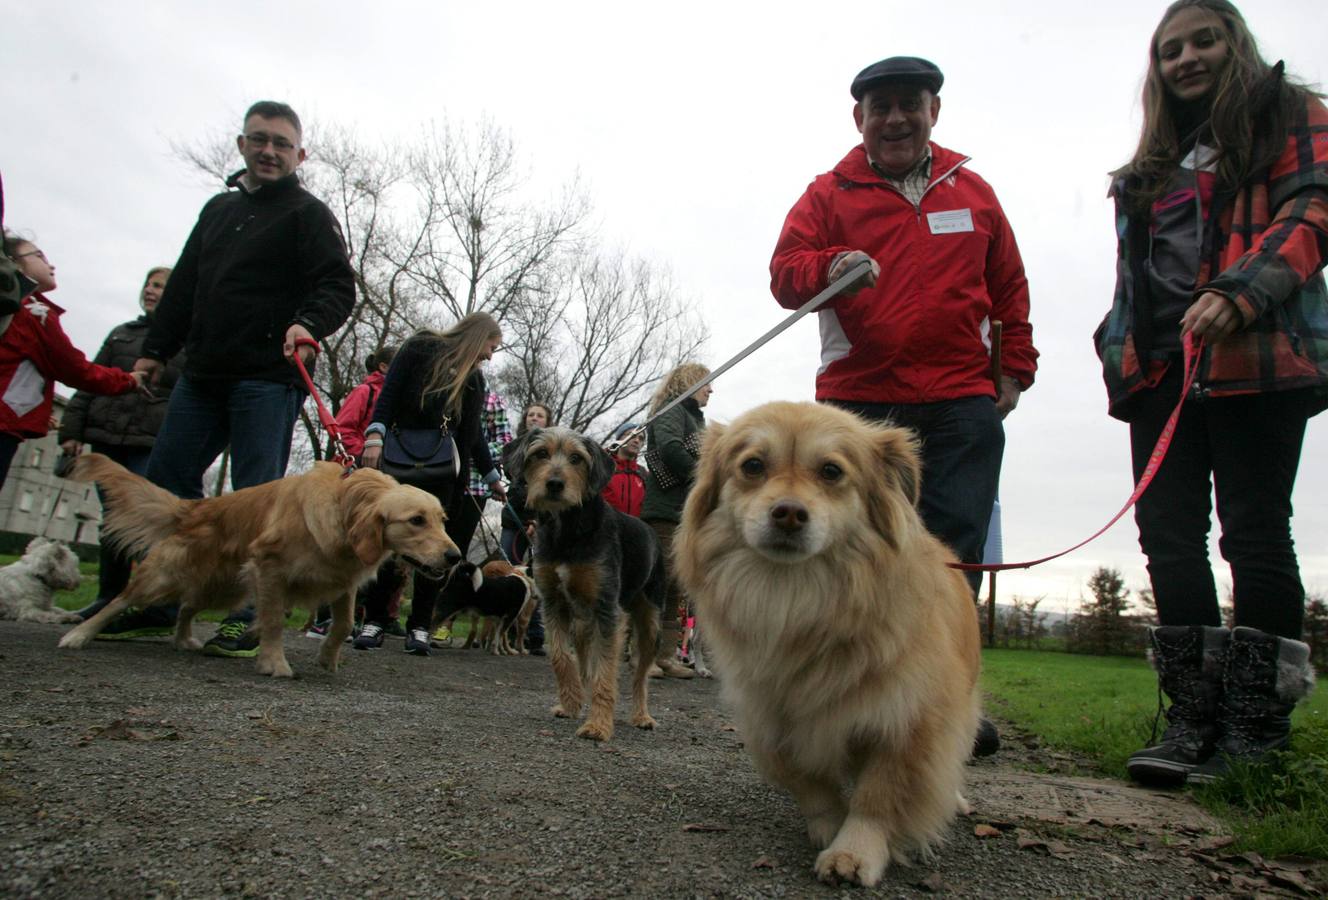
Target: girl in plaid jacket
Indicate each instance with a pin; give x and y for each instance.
(1222, 225)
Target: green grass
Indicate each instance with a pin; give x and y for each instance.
(1101, 709)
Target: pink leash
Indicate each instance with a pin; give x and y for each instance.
(1193, 350)
(324, 416)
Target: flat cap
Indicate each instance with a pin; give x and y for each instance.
(909, 69)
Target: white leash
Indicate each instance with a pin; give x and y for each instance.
(833, 290)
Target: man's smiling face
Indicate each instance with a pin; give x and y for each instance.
(896, 120)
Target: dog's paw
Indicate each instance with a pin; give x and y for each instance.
(189, 643)
(703, 672)
(73, 640)
(646, 721)
(821, 830)
(277, 668)
(329, 661)
(594, 731)
(845, 866)
(560, 712)
(69, 618)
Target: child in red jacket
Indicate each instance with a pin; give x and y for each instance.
(35, 353)
(627, 488)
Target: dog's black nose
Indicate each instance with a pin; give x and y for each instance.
(554, 486)
(452, 556)
(788, 515)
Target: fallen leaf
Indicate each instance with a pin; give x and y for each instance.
(727, 728)
(702, 826)
(763, 862)
(986, 831)
(933, 883)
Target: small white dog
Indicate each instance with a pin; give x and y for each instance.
(27, 586)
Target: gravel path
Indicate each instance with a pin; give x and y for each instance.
(129, 769)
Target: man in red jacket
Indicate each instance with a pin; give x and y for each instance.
(627, 488)
(911, 342)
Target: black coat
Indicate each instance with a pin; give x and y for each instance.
(255, 264)
(128, 420)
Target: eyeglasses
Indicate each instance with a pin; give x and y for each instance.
(36, 253)
(260, 140)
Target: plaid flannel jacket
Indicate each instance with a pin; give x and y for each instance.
(1265, 249)
(493, 422)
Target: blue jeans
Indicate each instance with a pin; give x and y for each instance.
(963, 443)
(255, 418)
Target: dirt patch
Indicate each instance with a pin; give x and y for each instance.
(129, 769)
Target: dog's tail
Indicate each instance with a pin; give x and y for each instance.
(136, 513)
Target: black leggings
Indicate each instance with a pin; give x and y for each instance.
(1246, 450)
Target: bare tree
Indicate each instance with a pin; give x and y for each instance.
(444, 225)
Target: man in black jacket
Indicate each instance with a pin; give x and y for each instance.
(264, 266)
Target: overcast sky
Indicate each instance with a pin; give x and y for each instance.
(695, 126)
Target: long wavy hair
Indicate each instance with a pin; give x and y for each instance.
(1248, 112)
(676, 383)
(456, 352)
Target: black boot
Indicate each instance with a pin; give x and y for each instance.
(1265, 677)
(1189, 660)
(988, 739)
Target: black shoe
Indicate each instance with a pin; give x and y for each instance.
(369, 638)
(417, 642)
(154, 621)
(988, 739)
(537, 651)
(395, 629)
(93, 608)
(1189, 660)
(234, 639)
(1265, 677)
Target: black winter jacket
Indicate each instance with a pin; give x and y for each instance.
(255, 264)
(129, 420)
(398, 405)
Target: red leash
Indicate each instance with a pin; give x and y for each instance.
(1193, 350)
(329, 424)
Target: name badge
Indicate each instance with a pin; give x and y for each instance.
(951, 221)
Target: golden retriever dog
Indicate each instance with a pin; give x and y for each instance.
(847, 646)
(297, 541)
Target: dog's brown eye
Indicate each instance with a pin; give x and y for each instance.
(831, 472)
(418, 521)
(576, 459)
(541, 453)
(753, 468)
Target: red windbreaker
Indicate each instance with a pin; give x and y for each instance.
(948, 267)
(35, 353)
(627, 488)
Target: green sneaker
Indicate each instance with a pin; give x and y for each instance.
(154, 621)
(233, 639)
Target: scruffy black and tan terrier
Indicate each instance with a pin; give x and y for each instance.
(595, 568)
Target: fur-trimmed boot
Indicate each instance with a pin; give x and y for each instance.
(1265, 677)
(1190, 660)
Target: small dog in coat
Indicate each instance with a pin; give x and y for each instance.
(28, 585)
(595, 569)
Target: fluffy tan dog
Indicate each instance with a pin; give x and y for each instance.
(298, 541)
(848, 647)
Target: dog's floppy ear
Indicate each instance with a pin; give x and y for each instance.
(701, 502)
(899, 470)
(363, 516)
(514, 455)
(601, 466)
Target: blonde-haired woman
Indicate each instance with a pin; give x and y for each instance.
(434, 378)
(674, 440)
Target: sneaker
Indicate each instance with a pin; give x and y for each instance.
(233, 639)
(319, 629)
(417, 642)
(154, 621)
(395, 629)
(441, 637)
(369, 638)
